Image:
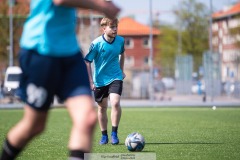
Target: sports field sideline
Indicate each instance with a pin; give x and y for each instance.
(171, 133)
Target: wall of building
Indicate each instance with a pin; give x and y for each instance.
(224, 43)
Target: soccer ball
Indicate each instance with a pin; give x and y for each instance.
(135, 142)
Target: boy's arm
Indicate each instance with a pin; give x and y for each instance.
(122, 59)
(106, 7)
(89, 70)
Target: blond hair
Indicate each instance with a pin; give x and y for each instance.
(108, 22)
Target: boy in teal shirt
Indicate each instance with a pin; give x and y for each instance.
(107, 52)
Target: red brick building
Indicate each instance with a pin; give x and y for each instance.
(225, 43)
(137, 43)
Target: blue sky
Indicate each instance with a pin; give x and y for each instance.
(140, 8)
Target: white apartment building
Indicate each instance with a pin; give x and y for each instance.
(225, 43)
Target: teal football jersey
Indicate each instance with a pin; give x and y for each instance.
(50, 29)
(106, 60)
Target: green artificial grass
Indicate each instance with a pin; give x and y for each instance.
(171, 133)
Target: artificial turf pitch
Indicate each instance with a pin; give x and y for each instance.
(171, 133)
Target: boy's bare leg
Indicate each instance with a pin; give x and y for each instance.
(83, 117)
(116, 109)
(102, 114)
(31, 125)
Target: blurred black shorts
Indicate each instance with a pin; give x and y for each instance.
(103, 92)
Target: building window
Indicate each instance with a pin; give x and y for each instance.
(215, 27)
(129, 43)
(146, 60)
(215, 41)
(129, 61)
(146, 43)
(233, 23)
(220, 33)
(220, 48)
(228, 40)
(224, 26)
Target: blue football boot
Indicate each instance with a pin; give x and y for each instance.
(104, 140)
(114, 138)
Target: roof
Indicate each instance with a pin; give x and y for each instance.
(233, 10)
(129, 27)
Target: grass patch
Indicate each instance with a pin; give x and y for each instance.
(171, 133)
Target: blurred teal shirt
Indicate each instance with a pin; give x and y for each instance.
(106, 60)
(50, 29)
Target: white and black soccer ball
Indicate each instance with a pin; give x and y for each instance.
(135, 142)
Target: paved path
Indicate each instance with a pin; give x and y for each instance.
(176, 101)
(181, 101)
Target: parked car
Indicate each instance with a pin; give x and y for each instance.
(232, 88)
(11, 81)
(168, 82)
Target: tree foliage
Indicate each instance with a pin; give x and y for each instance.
(168, 49)
(192, 26)
(193, 16)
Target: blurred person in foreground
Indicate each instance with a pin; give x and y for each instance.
(52, 64)
(107, 52)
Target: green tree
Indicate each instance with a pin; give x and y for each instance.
(168, 49)
(193, 19)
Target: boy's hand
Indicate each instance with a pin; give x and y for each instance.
(124, 75)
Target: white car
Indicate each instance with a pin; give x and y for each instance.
(168, 82)
(12, 79)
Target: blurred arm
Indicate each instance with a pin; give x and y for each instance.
(89, 70)
(122, 58)
(106, 7)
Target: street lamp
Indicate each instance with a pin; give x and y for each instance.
(211, 51)
(11, 4)
(210, 30)
(151, 52)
